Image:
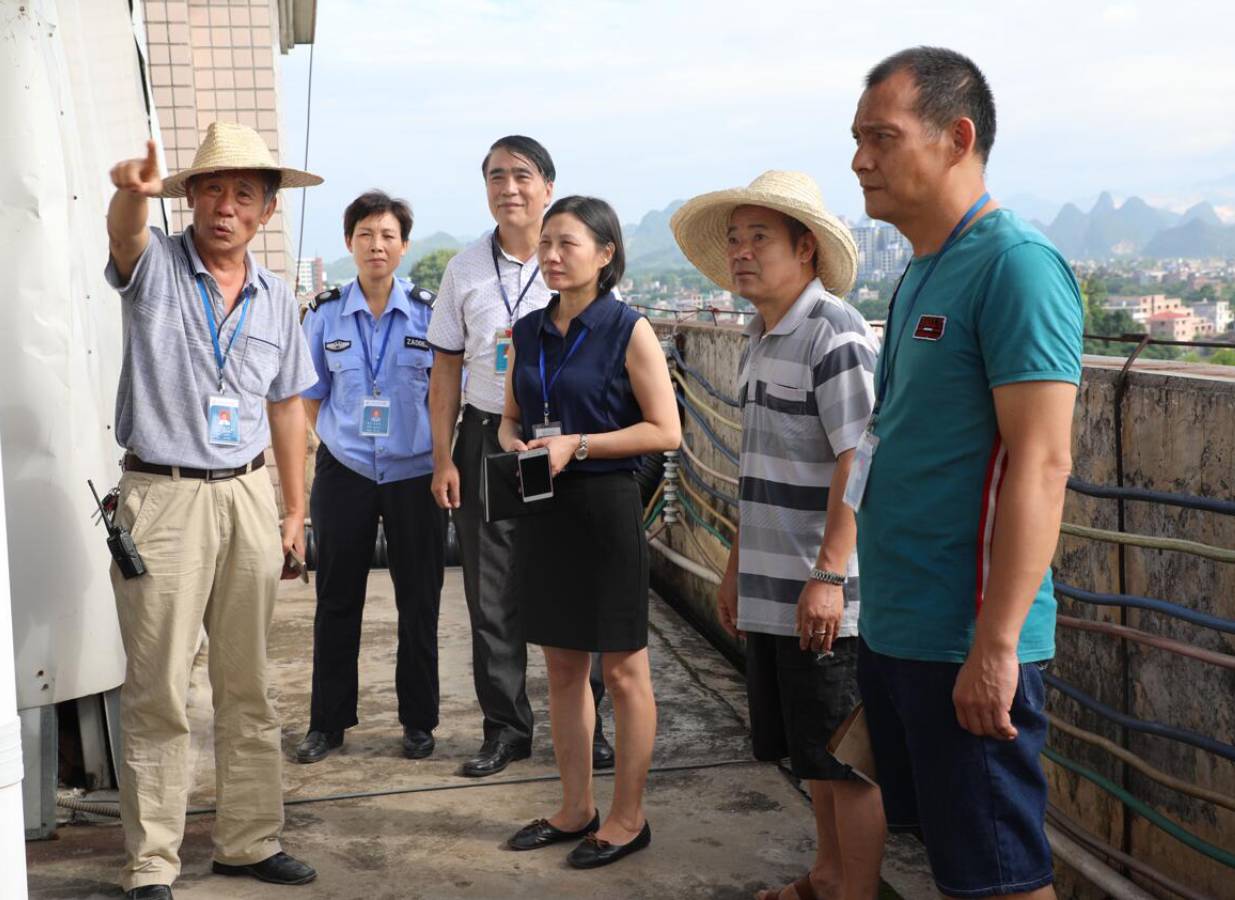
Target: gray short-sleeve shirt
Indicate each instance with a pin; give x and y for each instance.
(168, 371)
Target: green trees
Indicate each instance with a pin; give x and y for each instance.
(427, 273)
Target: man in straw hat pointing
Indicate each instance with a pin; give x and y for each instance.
(213, 367)
(791, 583)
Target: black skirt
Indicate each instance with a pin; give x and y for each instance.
(581, 566)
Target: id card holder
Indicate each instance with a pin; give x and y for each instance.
(860, 471)
(547, 429)
(375, 417)
(223, 420)
(501, 347)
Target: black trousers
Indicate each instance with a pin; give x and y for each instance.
(345, 508)
(499, 648)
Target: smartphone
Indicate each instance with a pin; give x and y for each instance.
(535, 478)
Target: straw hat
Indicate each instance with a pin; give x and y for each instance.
(230, 146)
(701, 227)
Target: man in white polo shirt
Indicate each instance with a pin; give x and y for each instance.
(485, 289)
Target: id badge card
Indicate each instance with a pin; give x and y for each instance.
(547, 429)
(501, 347)
(375, 417)
(223, 420)
(863, 455)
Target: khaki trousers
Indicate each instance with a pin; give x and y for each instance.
(213, 557)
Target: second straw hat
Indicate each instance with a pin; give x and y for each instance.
(701, 225)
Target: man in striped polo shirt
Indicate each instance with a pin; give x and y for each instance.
(807, 391)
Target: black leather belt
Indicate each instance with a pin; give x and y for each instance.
(133, 463)
(486, 419)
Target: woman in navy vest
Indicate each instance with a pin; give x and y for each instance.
(588, 380)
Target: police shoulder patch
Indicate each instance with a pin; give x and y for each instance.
(325, 297)
(421, 295)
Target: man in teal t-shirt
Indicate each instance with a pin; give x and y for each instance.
(960, 511)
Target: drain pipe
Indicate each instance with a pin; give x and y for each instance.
(12, 819)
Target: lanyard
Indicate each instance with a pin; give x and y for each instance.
(889, 359)
(546, 386)
(512, 313)
(364, 345)
(220, 356)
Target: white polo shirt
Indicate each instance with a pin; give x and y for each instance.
(470, 311)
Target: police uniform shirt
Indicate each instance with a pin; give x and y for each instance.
(336, 323)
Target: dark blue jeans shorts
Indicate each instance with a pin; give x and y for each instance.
(977, 803)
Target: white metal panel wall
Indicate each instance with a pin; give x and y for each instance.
(72, 102)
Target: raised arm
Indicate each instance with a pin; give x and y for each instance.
(136, 180)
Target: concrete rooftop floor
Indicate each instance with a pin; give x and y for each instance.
(722, 825)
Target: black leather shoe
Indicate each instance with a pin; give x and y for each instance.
(602, 753)
(541, 834)
(417, 744)
(317, 745)
(494, 756)
(277, 869)
(150, 892)
(594, 853)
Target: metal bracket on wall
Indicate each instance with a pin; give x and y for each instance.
(40, 754)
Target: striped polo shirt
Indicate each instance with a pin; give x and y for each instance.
(807, 390)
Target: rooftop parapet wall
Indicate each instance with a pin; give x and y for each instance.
(1178, 435)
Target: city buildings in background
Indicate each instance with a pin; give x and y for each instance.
(883, 252)
(310, 276)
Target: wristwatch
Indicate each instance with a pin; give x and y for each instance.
(827, 576)
(581, 450)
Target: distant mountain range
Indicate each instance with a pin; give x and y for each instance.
(1133, 229)
(1136, 229)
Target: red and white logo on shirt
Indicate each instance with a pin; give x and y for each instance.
(930, 328)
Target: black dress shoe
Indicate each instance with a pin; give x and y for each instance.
(494, 756)
(317, 745)
(417, 744)
(594, 853)
(277, 869)
(602, 753)
(541, 834)
(150, 892)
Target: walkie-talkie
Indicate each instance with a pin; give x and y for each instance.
(119, 542)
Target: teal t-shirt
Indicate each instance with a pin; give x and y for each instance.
(1002, 306)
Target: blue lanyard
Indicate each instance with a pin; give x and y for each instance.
(891, 348)
(546, 386)
(220, 356)
(512, 313)
(364, 345)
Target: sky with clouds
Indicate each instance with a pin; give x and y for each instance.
(646, 101)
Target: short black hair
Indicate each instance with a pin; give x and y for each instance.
(950, 86)
(600, 219)
(374, 203)
(529, 148)
(796, 230)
